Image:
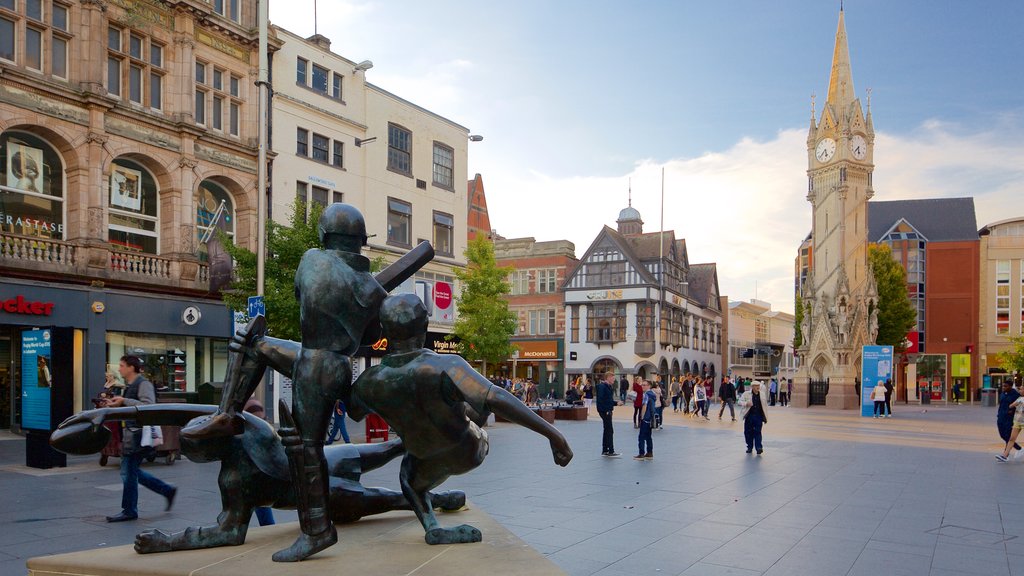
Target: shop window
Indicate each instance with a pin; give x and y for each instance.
(214, 209)
(133, 208)
(444, 226)
(32, 200)
(399, 222)
(170, 362)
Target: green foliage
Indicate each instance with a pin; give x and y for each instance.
(485, 324)
(798, 320)
(896, 315)
(285, 247)
(1013, 359)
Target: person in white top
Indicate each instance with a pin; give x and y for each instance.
(700, 398)
(878, 395)
(1018, 424)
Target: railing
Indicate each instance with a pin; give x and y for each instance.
(33, 249)
(142, 264)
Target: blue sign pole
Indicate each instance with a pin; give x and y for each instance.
(875, 368)
(36, 380)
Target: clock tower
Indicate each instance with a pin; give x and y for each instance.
(839, 297)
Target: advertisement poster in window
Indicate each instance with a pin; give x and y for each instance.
(35, 380)
(24, 167)
(126, 188)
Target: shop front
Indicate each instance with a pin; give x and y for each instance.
(537, 360)
(182, 342)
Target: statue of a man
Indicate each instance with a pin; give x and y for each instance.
(842, 322)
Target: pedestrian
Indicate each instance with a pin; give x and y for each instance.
(337, 425)
(741, 386)
(1018, 424)
(605, 405)
(784, 384)
(623, 389)
(673, 391)
(588, 394)
(660, 406)
(638, 400)
(645, 441)
(754, 417)
(532, 394)
(709, 395)
(878, 396)
(265, 514)
(687, 390)
(888, 397)
(727, 394)
(700, 399)
(773, 391)
(956, 392)
(1006, 411)
(139, 391)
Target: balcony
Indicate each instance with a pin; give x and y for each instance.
(46, 257)
(644, 348)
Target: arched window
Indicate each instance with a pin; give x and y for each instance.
(133, 208)
(214, 209)
(31, 186)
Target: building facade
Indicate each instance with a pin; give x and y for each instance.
(839, 295)
(127, 131)
(1001, 295)
(635, 305)
(536, 298)
(478, 221)
(760, 341)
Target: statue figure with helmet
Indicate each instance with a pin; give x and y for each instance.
(339, 300)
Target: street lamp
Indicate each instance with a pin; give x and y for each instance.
(475, 138)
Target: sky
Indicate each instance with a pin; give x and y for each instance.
(581, 101)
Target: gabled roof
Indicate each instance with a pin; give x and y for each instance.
(645, 246)
(938, 219)
(607, 234)
(703, 280)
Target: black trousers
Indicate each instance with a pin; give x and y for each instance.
(607, 442)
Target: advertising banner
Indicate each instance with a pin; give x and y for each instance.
(875, 367)
(36, 379)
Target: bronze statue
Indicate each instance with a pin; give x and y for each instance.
(431, 400)
(254, 472)
(338, 302)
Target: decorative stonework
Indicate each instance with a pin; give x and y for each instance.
(219, 44)
(187, 162)
(38, 103)
(142, 13)
(224, 158)
(136, 132)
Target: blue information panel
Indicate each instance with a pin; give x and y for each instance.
(875, 367)
(35, 379)
(256, 307)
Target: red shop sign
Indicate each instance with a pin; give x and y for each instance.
(20, 305)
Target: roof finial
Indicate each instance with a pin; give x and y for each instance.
(630, 192)
(812, 105)
(869, 100)
(840, 5)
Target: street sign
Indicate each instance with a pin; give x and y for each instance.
(256, 307)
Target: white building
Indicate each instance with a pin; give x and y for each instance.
(760, 341)
(337, 138)
(635, 305)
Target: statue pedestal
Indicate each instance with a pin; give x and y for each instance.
(391, 543)
(842, 394)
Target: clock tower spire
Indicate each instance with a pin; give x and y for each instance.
(840, 294)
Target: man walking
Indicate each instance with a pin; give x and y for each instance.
(623, 389)
(605, 405)
(1005, 412)
(754, 417)
(645, 441)
(727, 394)
(140, 391)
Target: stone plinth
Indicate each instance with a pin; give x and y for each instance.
(380, 545)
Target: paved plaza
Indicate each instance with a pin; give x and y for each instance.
(918, 494)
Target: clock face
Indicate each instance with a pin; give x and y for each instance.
(858, 147)
(826, 150)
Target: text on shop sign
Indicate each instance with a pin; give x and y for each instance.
(20, 305)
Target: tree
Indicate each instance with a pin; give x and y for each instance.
(798, 320)
(285, 247)
(1013, 359)
(896, 315)
(485, 324)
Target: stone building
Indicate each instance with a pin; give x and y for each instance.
(1001, 294)
(760, 341)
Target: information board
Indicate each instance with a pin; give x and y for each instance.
(875, 367)
(36, 379)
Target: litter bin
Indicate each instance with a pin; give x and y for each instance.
(988, 397)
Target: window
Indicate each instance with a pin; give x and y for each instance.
(7, 39)
(574, 330)
(301, 66)
(227, 8)
(34, 9)
(301, 193)
(1002, 297)
(141, 65)
(546, 281)
(339, 154)
(209, 200)
(217, 113)
(200, 107)
(336, 197)
(444, 226)
(33, 49)
(321, 148)
(33, 204)
(302, 142)
(217, 92)
(200, 72)
(606, 323)
(399, 222)
(319, 196)
(519, 282)
(444, 166)
(234, 86)
(133, 209)
(320, 75)
(336, 86)
(645, 321)
(399, 149)
(37, 36)
(542, 322)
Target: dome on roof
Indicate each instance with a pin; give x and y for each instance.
(628, 213)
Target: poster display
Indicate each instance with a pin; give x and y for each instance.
(875, 367)
(36, 379)
(24, 167)
(126, 188)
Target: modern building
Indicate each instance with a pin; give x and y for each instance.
(338, 138)
(839, 295)
(1001, 295)
(936, 241)
(760, 341)
(635, 305)
(536, 298)
(126, 129)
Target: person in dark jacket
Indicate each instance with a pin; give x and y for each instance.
(727, 394)
(605, 405)
(888, 397)
(623, 389)
(1004, 413)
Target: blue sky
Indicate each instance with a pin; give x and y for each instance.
(576, 99)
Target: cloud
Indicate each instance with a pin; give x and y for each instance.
(745, 208)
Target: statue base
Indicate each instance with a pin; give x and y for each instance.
(390, 543)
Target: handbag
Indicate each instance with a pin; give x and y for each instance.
(152, 436)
